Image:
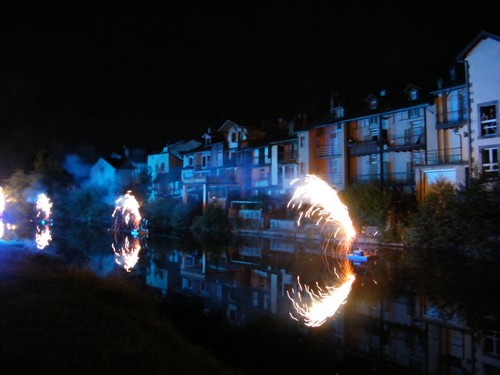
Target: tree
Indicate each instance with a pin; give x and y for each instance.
(463, 219)
(451, 249)
(370, 205)
(214, 219)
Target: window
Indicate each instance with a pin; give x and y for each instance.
(489, 160)
(289, 172)
(373, 103)
(374, 120)
(262, 174)
(302, 141)
(413, 94)
(414, 112)
(492, 343)
(488, 119)
(205, 161)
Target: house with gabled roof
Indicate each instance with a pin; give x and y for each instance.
(165, 167)
(114, 171)
(481, 58)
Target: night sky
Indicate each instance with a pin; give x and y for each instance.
(110, 73)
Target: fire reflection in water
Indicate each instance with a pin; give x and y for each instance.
(126, 249)
(315, 200)
(43, 236)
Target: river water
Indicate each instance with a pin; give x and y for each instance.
(229, 295)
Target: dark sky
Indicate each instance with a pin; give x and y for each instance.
(147, 72)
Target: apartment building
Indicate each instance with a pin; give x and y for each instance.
(403, 138)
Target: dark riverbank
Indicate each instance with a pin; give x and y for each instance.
(58, 320)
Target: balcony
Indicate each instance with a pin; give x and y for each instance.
(287, 157)
(394, 178)
(329, 151)
(363, 148)
(451, 119)
(444, 156)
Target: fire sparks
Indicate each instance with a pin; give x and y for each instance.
(44, 210)
(43, 206)
(315, 200)
(42, 237)
(2, 202)
(126, 213)
(127, 221)
(127, 255)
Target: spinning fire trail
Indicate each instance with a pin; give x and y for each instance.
(315, 200)
(43, 235)
(126, 213)
(127, 221)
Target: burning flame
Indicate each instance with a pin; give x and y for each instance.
(317, 201)
(2, 202)
(126, 213)
(44, 210)
(43, 206)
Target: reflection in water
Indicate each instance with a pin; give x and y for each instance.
(42, 236)
(240, 283)
(126, 249)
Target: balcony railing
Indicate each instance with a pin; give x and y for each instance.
(444, 156)
(394, 144)
(328, 151)
(401, 178)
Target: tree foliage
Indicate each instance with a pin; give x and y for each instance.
(463, 219)
(370, 205)
(451, 249)
(213, 219)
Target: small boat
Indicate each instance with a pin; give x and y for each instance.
(139, 232)
(361, 256)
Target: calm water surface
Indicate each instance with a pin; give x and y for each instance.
(228, 295)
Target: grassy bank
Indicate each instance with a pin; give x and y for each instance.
(55, 320)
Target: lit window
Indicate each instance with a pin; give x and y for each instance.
(488, 115)
(490, 160)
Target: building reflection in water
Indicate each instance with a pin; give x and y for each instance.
(386, 322)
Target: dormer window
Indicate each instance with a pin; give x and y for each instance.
(208, 139)
(339, 112)
(413, 94)
(373, 103)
